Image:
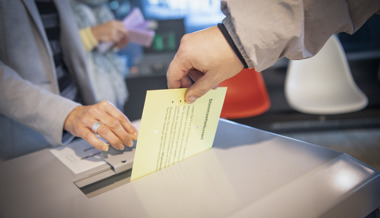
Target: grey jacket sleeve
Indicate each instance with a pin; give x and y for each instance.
(29, 92)
(34, 106)
(265, 31)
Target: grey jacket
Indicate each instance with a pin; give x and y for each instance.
(265, 31)
(32, 113)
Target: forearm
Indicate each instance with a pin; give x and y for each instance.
(265, 31)
(33, 106)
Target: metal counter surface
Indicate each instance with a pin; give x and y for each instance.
(248, 173)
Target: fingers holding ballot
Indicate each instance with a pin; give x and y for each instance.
(204, 57)
(102, 119)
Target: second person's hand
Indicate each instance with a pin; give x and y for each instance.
(111, 31)
(205, 57)
(109, 123)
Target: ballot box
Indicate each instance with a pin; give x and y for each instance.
(247, 173)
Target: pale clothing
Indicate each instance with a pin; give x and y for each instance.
(266, 30)
(107, 70)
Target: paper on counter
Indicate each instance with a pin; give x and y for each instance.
(172, 130)
(81, 157)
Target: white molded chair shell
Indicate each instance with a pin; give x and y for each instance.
(323, 84)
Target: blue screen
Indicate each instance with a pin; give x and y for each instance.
(197, 14)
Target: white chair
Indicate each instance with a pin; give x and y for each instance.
(323, 84)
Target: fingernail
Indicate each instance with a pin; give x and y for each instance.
(130, 143)
(191, 99)
(135, 136)
(105, 147)
(121, 147)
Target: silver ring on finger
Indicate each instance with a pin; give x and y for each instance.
(95, 126)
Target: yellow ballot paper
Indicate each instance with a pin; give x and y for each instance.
(172, 130)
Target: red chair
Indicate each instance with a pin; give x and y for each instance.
(246, 96)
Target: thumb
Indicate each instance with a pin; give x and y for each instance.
(199, 88)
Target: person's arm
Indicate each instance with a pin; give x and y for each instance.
(50, 114)
(207, 58)
(111, 31)
(263, 32)
(114, 127)
(33, 106)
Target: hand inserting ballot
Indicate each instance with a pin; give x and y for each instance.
(207, 67)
